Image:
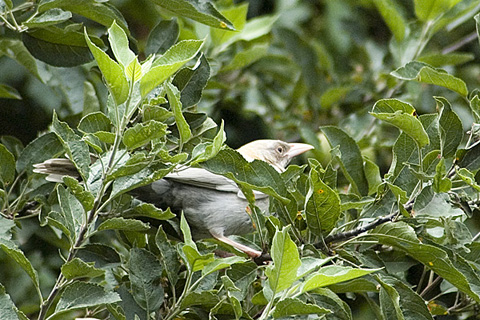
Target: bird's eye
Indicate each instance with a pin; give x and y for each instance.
(280, 149)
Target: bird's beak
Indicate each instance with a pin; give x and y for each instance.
(298, 148)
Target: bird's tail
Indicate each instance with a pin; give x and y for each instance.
(56, 169)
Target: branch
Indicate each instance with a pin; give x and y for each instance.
(355, 232)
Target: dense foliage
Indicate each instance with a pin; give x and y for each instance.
(382, 222)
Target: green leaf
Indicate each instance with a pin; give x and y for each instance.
(399, 193)
(192, 81)
(206, 151)
(80, 295)
(174, 100)
(372, 173)
(102, 255)
(440, 182)
(286, 261)
(422, 72)
(6, 226)
(468, 177)
(246, 57)
(355, 285)
(450, 59)
(333, 274)
(7, 165)
(43, 148)
(390, 302)
(351, 160)
(150, 211)
(322, 206)
(470, 159)
(8, 92)
(401, 115)
(208, 299)
(232, 292)
(436, 205)
(403, 300)
(145, 277)
(8, 310)
(97, 11)
(325, 297)
(451, 128)
(393, 17)
(405, 151)
(162, 37)
(169, 256)
(238, 16)
(243, 275)
(124, 224)
(95, 122)
(119, 43)
(15, 49)
(73, 213)
(156, 113)
(254, 29)
(257, 175)
(167, 64)
(49, 17)
(86, 198)
(223, 263)
(12, 251)
(334, 95)
(77, 268)
(114, 77)
(429, 10)
(75, 147)
(201, 11)
(402, 237)
(142, 133)
(143, 177)
(196, 261)
(58, 47)
(132, 165)
(134, 70)
(293, 306)
(91, 103)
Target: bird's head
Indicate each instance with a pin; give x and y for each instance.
(275, 152)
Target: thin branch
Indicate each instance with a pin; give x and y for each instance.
(355, 232)
(432, 285)
(460, 43)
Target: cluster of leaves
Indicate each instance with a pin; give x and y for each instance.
(402, 241)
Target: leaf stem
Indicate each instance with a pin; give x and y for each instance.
(186, 290)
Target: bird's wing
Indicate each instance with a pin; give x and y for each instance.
(205, 179)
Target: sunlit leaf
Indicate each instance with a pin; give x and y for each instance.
(425, 73)
(168, 64)
(286, 261)
(201, 11)
(401, 115)
(114, 77)
(322, 206)
(333, 274)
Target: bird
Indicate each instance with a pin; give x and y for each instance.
(213, 205)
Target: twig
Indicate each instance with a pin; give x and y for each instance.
(460, 43)
(355, 232)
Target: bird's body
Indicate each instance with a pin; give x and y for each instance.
(213, 204)
(209, 212)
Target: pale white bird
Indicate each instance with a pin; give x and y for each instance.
(213, 205)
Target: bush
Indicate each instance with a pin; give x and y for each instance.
(382, 221)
